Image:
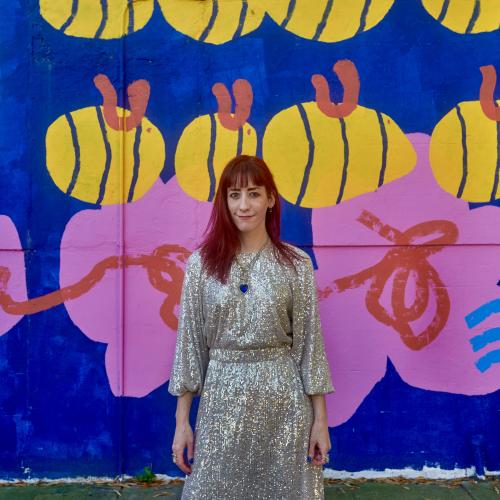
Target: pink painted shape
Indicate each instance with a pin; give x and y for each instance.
(12, 257)
(357, 344)
(164, 215)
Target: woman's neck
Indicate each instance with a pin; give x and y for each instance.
(252, 242)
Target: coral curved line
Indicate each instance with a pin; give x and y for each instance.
(408, 257)
(243, 95)
(155, 264)
(138, 96)
(487, 93)
(349, 77)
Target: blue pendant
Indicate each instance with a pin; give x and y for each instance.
(244, 288)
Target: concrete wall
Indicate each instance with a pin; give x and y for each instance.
(394, 195)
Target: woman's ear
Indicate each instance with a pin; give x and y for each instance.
(272, 201)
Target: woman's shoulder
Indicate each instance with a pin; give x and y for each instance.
(302, 263)
(303, 256)
(194, 260)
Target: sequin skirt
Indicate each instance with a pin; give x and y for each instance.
(252, 430)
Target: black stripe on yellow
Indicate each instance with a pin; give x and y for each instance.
(310, 157)
(444, 10)
(463, 128)
(474, 17)
(211, 22)
(343, 182)
(497, 169)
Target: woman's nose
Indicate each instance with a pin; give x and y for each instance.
(243, 202)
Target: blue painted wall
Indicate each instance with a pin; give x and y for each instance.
(58, 416)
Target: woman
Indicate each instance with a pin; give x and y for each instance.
(250, 343)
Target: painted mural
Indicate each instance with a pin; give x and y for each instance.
(115, 132)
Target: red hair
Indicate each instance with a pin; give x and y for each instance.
(222, 241)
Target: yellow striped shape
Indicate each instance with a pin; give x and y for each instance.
(318, 161)
(213, 21)
(102, 19)
(464, 153)
(92, 162)
(465, 16)
(327, 20)
(204, 149)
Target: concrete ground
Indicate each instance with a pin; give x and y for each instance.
(386, 489)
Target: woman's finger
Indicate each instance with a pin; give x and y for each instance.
(319, 454)
(312, 447)
(183, 466)
(190, 452)
(180, 460)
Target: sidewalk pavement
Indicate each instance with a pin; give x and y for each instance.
(383, 489)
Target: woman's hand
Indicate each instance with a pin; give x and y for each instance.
(319, 442)
(183, 439)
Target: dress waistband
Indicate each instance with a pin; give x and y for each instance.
(249, 355)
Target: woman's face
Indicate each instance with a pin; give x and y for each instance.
(248, 206)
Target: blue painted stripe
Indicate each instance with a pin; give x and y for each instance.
(137, 163)
(243, 16)
(210, 160)
(481, 341)
(482, 312)
(104, 19)
(346, 160)
(310, 157)
(131, 15)
(364, 14)
(211, 22)
(71, 18)
(239, 147)
(497, 169)
(289, 13)
(383, 134)
(488, 360)
(324, 20)
(107, 146)
(76, 148)
(475, 15)
(444, 10)
(465, 154)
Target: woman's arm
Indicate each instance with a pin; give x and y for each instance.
(319, 407)
(183, 438)
(319, 441)
(183, 407)
(190, 361)
(311, 357)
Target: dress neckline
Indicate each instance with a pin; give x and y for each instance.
(253, 252)
(249, 254)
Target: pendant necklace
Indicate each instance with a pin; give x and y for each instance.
(245, 270)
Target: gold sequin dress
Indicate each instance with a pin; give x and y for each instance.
(254, 358)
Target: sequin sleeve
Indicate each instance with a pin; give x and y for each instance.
(308, 347)
(191, 351)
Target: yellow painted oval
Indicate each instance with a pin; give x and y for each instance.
(204, 149)
(104, 19)
(465, 16)
(92, 162)
(213, 21)
(318, 161)
(327, 20)
(464, 153)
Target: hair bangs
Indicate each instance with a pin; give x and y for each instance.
(244, 173)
